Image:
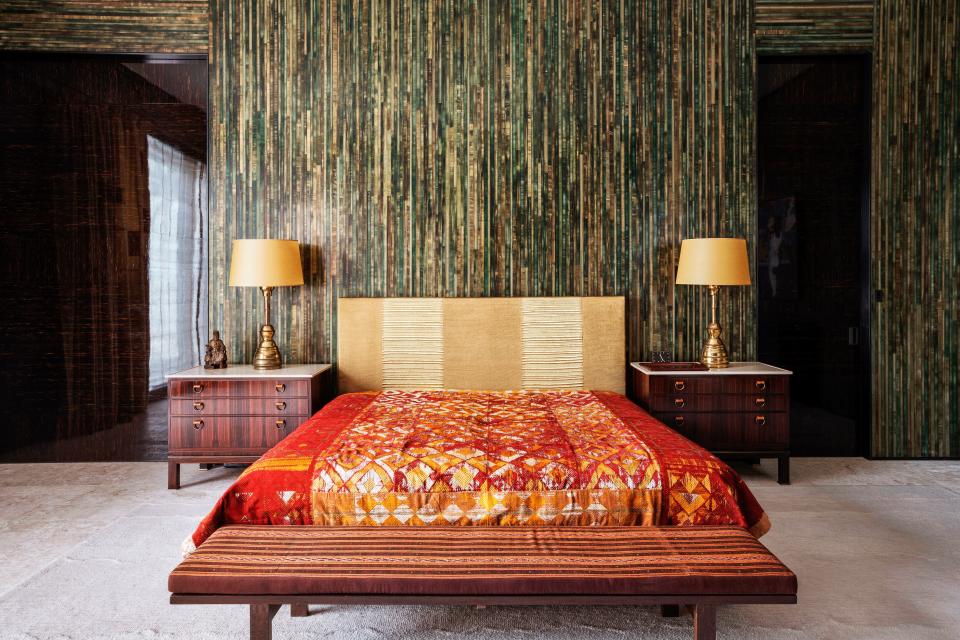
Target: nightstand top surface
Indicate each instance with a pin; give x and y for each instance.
(735, 369)
(246, 372)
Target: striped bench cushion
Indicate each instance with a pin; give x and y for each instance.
(247, 560)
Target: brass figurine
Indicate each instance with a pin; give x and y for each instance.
(215, 356)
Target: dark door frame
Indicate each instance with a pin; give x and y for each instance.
(864, 432)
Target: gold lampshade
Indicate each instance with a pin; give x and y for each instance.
(266, 264)
(714, 262)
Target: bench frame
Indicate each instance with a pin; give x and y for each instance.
(703, 607)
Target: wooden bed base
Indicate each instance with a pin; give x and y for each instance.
(702, 607)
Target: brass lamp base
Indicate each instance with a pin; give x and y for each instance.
(714, 353)
(267, 355)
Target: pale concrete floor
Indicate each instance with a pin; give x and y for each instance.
(85, 550)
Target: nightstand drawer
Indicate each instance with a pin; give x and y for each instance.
(766, 431)
(239, 389)
(717, 402)
(731, 431)
(718, 384)
(240, 407)
(238, 435)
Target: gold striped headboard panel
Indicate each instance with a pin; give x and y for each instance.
(481, 343)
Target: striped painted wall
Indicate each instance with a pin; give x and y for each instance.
(105, 26)
(814, 26)
(450, 148)
(915, 239)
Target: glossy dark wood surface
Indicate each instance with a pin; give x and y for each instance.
(266, 388)
(223, 420)
(74, 188)
(240, 406)
(741, 415)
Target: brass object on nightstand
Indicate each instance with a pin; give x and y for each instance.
(267, 355)
(714, 353)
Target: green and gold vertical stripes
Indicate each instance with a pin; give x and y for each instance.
(450, 148)
(105, 26)
(915, 234)
(811, 27)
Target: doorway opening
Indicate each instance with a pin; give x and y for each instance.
(812, 249)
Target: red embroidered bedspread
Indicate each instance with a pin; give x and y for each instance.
(486, 458)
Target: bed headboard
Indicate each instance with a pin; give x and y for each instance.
(481, 343)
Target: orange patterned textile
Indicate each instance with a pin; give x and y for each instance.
(486, 458)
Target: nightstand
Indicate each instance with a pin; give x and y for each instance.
(742, 411)
(234, 415)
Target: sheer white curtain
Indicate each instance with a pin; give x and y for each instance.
(177, 260)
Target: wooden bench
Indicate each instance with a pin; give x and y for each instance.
(269, 566)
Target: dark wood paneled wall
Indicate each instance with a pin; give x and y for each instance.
(915, 243)
(73, 236)
(446, 148)
(105, 26)
(814, 26)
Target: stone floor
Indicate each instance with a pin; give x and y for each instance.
(86, 548)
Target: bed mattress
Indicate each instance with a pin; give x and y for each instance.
(446, 458)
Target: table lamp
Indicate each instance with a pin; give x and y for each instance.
(266, 264)
(714, 262)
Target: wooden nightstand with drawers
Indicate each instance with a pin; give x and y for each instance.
(233, 415)
(741, 411)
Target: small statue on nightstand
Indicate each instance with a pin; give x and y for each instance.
(215, 356)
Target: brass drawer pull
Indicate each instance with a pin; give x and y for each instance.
(198, 424)
(280, 387)
(761, 385)
(197, 387)
(679, 420)
(760, 402)
(679, 385)
(281, 424)
(760, 420)
(198, 406)
(280, 405)
(679, 403)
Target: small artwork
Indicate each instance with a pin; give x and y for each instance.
(777, 249)
(215, 353)
(661, 356)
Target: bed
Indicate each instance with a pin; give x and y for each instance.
(484, 412)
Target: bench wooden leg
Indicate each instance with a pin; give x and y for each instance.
(173, 475)
(705, 622)
(299, 611)
(670, 610)
(261, 618)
